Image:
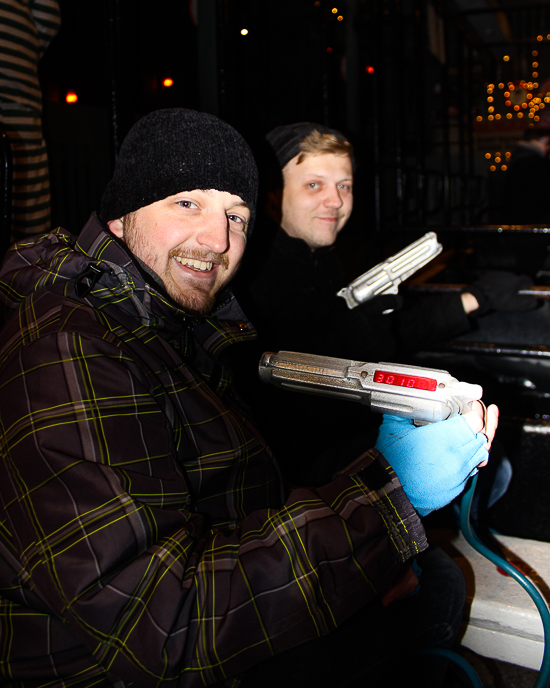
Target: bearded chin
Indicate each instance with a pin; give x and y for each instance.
(194, 301)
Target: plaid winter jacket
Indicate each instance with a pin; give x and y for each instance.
(145, 537)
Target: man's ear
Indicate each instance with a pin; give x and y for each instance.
(117, 227)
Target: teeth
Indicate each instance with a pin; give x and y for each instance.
(195, 264)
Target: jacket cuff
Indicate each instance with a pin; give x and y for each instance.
(482, 299)
(385, 492)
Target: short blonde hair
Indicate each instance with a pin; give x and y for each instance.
(316, 143)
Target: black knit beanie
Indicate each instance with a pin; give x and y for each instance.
(169, 151)
(287, 139)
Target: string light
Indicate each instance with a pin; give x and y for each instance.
(71, 97)
(527, 100)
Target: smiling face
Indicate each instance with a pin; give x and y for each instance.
(194, 241)
(317, 197)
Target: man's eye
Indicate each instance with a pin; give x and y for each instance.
(313, 185)
(187, 204)
(237, 219)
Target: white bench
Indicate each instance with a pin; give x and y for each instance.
(502, 621)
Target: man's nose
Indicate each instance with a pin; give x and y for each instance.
(214, 235)
(333, 199)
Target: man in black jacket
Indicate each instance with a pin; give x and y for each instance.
(289, 287)
(297, 275)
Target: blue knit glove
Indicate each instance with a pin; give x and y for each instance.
(433, 462)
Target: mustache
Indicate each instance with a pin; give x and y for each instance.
(220, 259)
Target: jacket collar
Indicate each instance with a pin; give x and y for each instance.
(105, 270)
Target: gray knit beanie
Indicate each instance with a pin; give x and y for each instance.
(174, 150)
(286, 139)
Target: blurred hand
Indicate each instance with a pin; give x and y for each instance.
(497, 290)
(380, 304)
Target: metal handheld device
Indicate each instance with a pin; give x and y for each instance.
(385, 277)
(425, 395)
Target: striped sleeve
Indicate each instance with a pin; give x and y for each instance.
(25, 32)
(47, 19)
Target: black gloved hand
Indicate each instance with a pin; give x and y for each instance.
(379, 304)
(498, 290)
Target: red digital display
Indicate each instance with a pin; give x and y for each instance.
(411, 381)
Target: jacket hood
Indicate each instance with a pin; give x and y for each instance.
(97, 267)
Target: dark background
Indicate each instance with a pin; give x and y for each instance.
(403, 79)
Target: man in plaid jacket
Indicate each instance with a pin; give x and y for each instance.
(146, 537)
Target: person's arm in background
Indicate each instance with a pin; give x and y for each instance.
(427, 319)
(47, 19)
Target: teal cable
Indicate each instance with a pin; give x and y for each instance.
(543, 678)
(460, 661)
